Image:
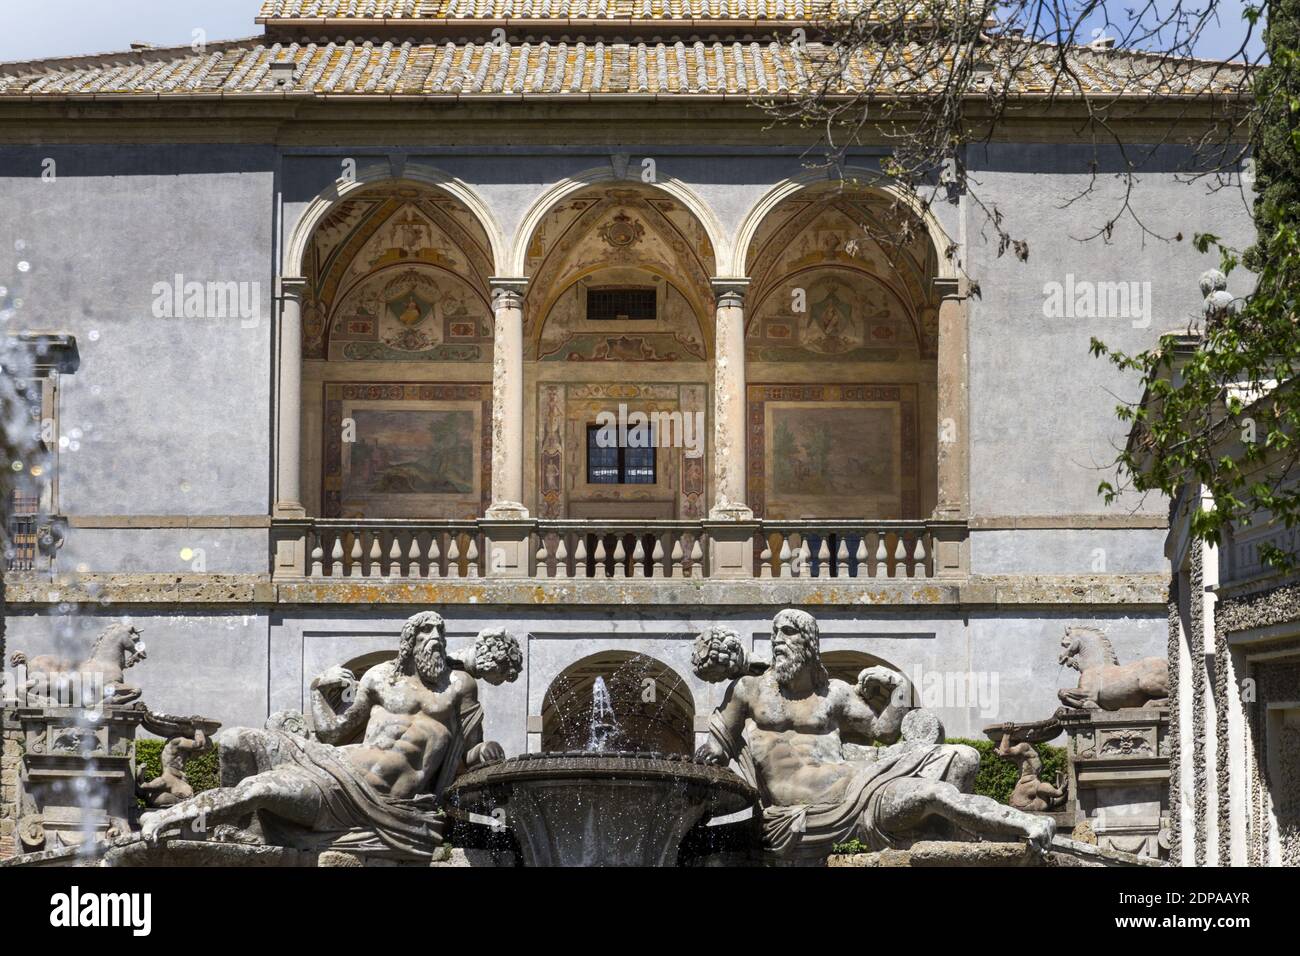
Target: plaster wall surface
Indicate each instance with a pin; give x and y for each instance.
(975, 670)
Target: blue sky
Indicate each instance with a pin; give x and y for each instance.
(70, 27)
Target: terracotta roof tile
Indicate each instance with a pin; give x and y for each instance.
(467, 68)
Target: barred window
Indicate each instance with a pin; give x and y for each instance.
(621, 305)
(618, 465)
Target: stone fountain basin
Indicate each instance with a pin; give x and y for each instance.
(599, 809)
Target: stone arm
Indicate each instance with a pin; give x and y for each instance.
(329, 726)
(877, 705)
(726, 727)
(478, 751)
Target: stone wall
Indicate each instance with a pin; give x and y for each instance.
(238, 668)
(9, 772)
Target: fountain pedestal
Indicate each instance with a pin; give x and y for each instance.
(76, 775)
(599, 809)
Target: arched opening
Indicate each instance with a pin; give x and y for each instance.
(618, 332)
(397, 357)
(652, 706)
(841, 349)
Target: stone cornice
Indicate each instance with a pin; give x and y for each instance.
(1127, 591)
(344, 121)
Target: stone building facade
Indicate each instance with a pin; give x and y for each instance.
(353, 298)
(1234, 651)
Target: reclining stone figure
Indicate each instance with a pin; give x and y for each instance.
(813, 795)
(421, 726)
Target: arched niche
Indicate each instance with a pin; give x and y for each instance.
(846, 666)
(618, 318)
(397, 333)
(651, 702)
(841, 348)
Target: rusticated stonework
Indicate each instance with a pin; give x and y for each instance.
(1175, 738)
(1196, 613)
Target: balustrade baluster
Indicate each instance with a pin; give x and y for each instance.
(620, 558)
(395, 557)
(453, 554)
(434, 568)
(580, 557)
(472, 556)
(600, 569)
(413, 556)
(561, 556)
(785, 556)
(354, 566)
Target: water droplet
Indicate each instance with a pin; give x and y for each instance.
(186, 554)
(20, 245)
(17, 466)
(185, 485)
(24, 266)
(73, 445)
(94, 335)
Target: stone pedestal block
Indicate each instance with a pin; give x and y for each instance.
(76, 777)
(1119, 776)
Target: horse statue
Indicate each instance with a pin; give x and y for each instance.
(98, 680)
(1104, 683)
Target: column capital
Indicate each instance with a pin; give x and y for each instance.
(507, 292)
(954, 287)
(729, 287)
(290, 287)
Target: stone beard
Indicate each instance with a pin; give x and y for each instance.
(422, 649)
(793, 652)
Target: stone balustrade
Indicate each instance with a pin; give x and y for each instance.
(393, 548)
(619, 549)
(600, 549)
(825, 549)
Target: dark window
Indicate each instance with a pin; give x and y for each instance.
(620, 305)
(617, 465)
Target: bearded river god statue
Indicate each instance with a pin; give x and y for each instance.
(420, 725)
(783, 728)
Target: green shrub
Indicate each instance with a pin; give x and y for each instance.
(996, 777)
(202, 770)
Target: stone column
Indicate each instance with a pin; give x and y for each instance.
(288, 467)
(953, 499)
(952, 503)
(508, 400)
(729, 403)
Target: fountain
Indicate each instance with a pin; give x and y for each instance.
(599, 806)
